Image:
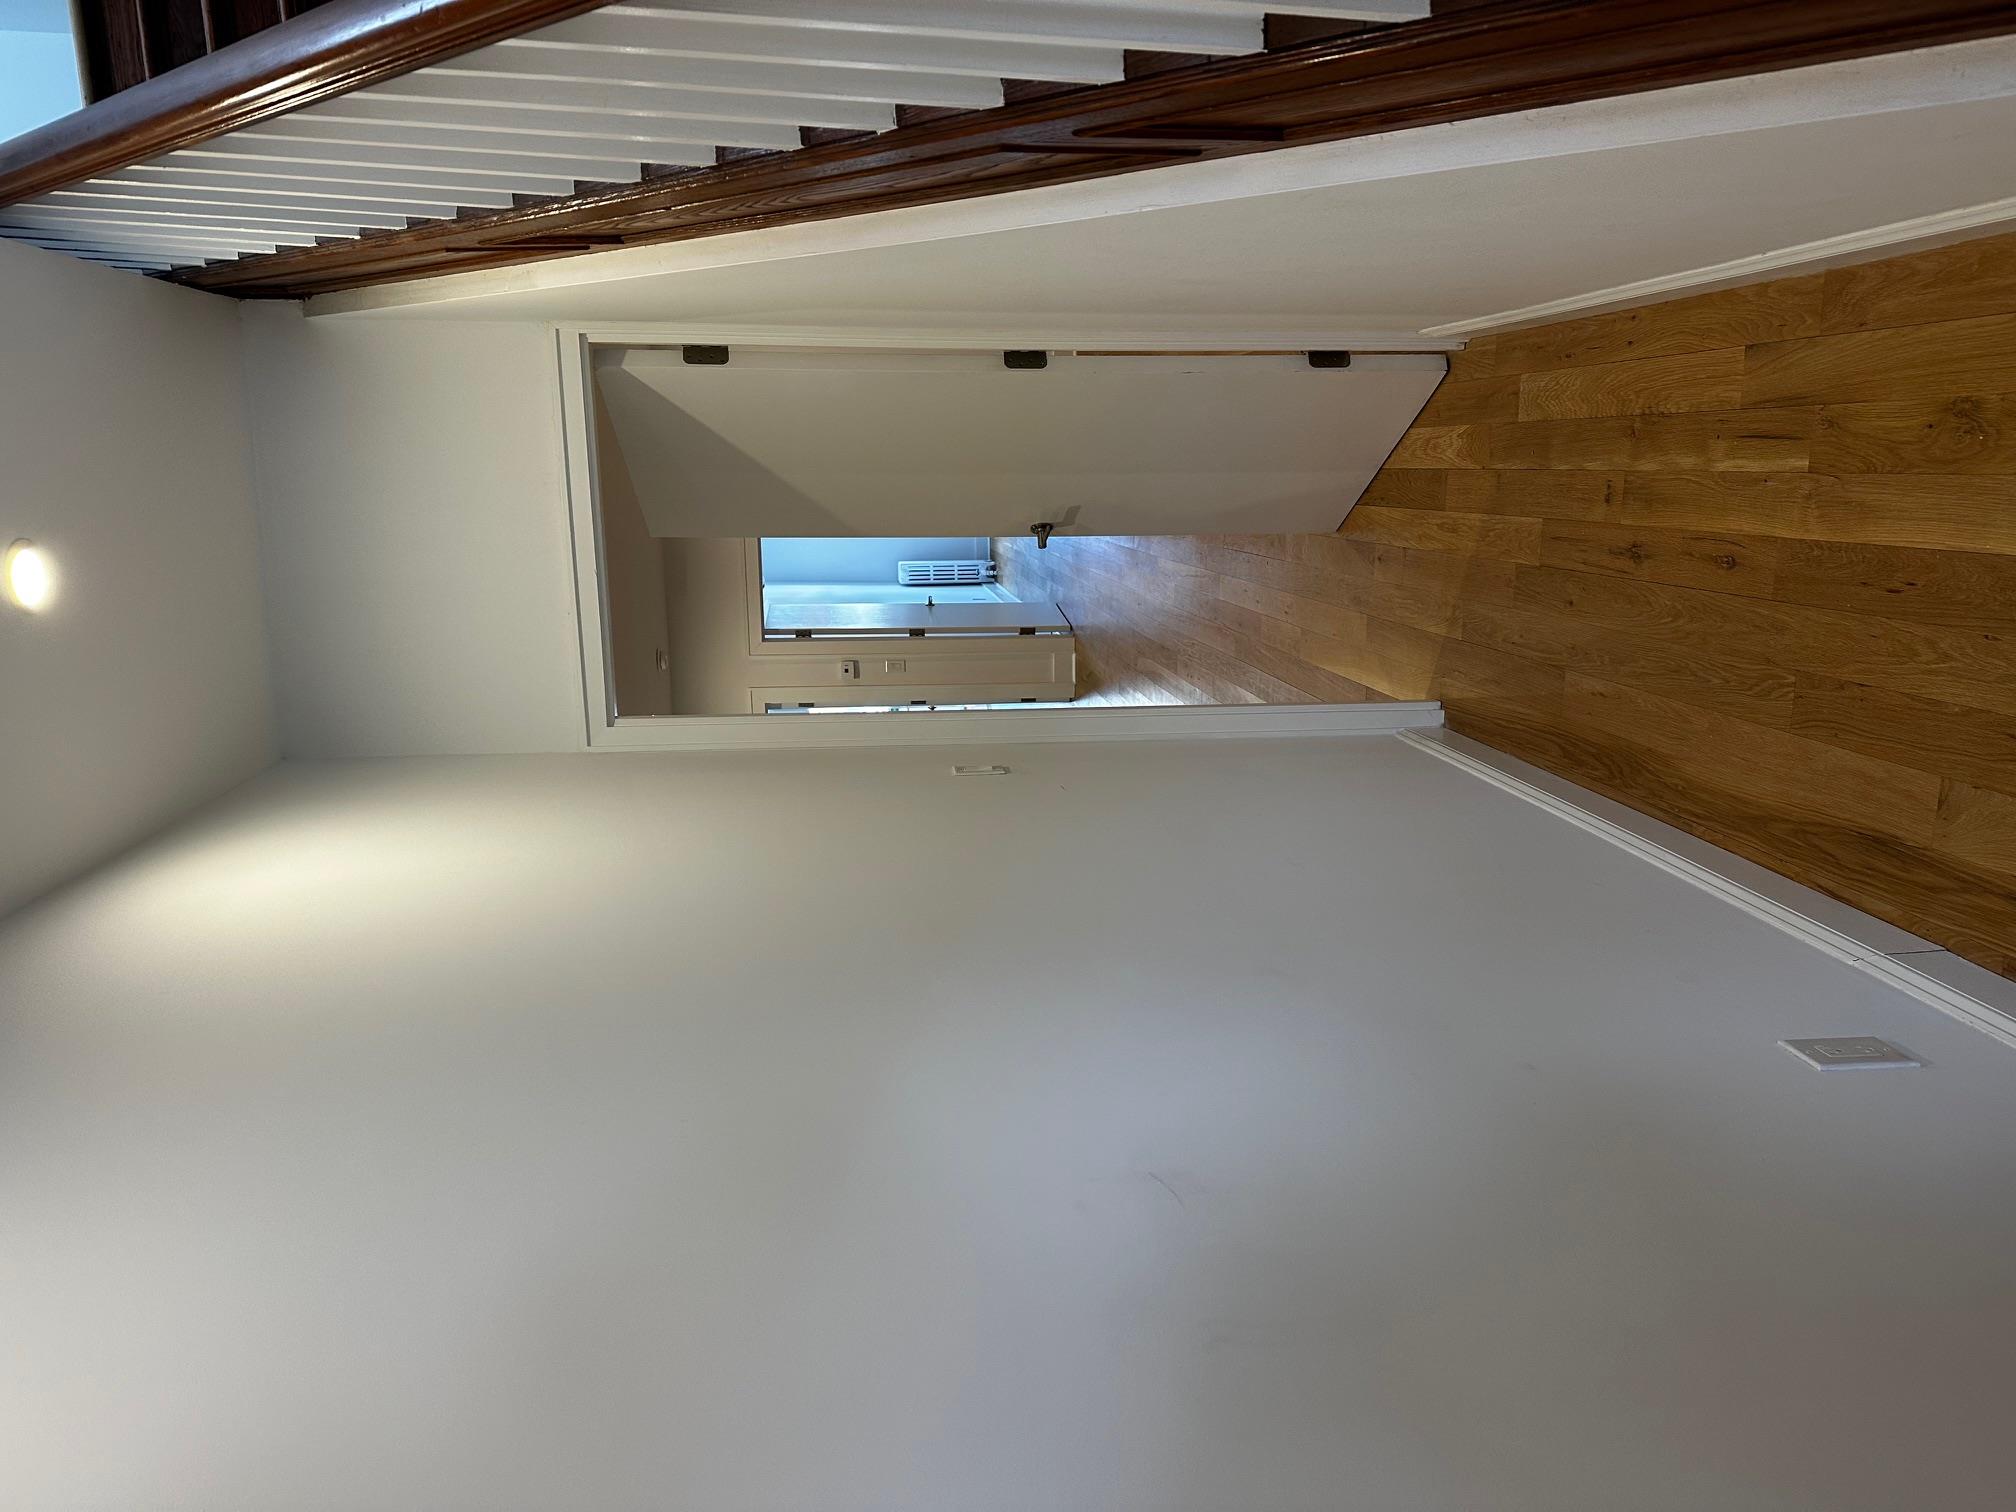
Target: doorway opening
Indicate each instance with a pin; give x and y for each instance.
(936, 615)
(754, 520)
(826, 624)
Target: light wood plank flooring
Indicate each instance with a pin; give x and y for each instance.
(1745, 561)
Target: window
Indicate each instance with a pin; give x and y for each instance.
(38, 65)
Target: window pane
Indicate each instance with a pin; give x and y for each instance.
(38, 65)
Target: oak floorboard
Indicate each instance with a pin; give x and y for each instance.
(1960, 282)
(1745, 562)
(1777, 311)
(1754, 440)
(1934, 512)
(1711, 380)
(1473, 401)
(1969, 433)
(1890, 365)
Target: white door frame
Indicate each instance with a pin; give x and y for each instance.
(607, 731)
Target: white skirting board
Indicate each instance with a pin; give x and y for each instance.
(1013, 726)
(1920, 234)
(1956, 987)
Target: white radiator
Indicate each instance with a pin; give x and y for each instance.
(943, 573)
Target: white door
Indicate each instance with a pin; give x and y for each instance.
(809, 442)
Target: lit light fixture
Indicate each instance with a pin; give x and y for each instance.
(30, 583)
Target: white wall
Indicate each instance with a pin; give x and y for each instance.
(707, 625)
(413, 534)
(633, 586)
(1296, 1126)
(141, 691)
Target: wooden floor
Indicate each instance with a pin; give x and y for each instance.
(1746, 562)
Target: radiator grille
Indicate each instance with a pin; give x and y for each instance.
(943, 573)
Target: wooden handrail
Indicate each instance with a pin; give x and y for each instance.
(1495, 58)
(1503, 55)
(324, 52)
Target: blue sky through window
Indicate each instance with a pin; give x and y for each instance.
(38, 64)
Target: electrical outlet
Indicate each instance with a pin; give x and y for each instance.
(1856, 1052)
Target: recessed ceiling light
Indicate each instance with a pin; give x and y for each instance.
(30, 583)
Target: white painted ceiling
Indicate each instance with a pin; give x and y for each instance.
(1446, 225)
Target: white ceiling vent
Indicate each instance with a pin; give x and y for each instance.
(943, 574)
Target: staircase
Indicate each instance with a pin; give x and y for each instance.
(623, 92)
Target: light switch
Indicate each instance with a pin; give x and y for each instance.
(1850, 1053)
(850, 671)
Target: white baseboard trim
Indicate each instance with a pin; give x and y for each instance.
(1013, 727)
(1890, 240)
(1968, 994)
(1235, 339)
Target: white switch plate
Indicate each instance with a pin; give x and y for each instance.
(1852, 1052)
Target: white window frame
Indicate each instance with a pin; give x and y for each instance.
(761, 644)
(606, 730)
